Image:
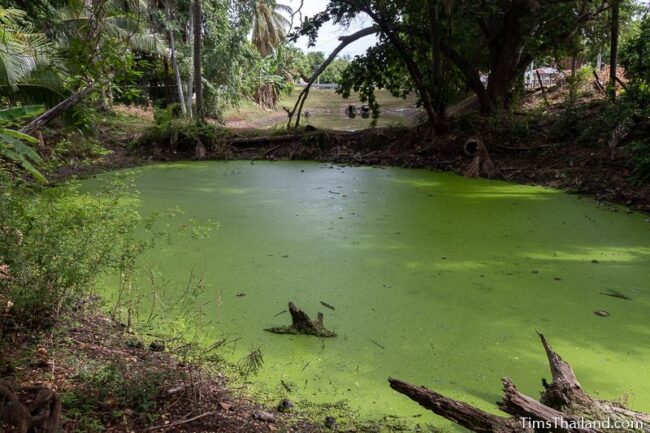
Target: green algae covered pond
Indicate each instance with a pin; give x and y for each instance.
(435, 279)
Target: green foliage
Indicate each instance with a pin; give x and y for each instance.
(573, 120)
(313, 60)
(15, 146)
(635, 57)
(334, 71)
(437, 48)
(274, 75)
(635, 54)
(176, 136)
(75, 149)
(56, 243)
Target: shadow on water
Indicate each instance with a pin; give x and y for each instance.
(435, 279)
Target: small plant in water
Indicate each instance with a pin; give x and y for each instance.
(251, 363)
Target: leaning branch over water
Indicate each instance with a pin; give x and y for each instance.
(345, 41)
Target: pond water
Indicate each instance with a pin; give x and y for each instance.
(435, 279)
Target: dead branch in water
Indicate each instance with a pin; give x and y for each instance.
(563, 406)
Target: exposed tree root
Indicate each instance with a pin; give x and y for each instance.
(41, 415)
(302, 324)
(563, 406)
(482, 162)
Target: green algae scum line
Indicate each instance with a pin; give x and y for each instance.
(432, 278)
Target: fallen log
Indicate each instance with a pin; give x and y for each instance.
(564, 406)
(302, 324)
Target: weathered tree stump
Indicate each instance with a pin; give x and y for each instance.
(302, 324)
(42, 415)
(563, 407)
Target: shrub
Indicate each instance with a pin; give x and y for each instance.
(180, 137)
(55, 243)
(635, 57)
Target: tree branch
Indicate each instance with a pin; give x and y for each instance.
(345, 41)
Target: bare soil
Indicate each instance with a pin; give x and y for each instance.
(188, 398)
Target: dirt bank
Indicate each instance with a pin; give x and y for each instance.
(109, 380)
(573, 167)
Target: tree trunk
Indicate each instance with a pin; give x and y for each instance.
(563, 407)
(266, 96)
(436, 60)
(614, 49)
(506, 49)
(198, 83)
(55, 111)
(177, 72)
(412, 68)
(190, 75)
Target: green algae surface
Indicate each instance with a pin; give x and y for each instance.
(435, 279)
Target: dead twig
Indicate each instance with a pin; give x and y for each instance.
(180, 422)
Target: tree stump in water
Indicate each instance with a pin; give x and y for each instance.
(302, 324)
(563, 407)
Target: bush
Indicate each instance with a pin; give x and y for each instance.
(635, 57)
(55, 243)
(635, 54)
(180, 137)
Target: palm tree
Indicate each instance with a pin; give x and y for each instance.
(269, 31)
(26, 64)
(103, 28)
(270, 25)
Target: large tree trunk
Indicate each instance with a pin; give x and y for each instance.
(563, 406)
(613, 58)
(198, 83)
(266, 96)
(439, 102)
(506, 47)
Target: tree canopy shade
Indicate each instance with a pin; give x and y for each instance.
(440, 48)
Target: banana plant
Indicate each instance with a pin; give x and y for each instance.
(16, 146)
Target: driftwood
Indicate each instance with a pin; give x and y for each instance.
(41, 415)
(302, 324)
(563, 406)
